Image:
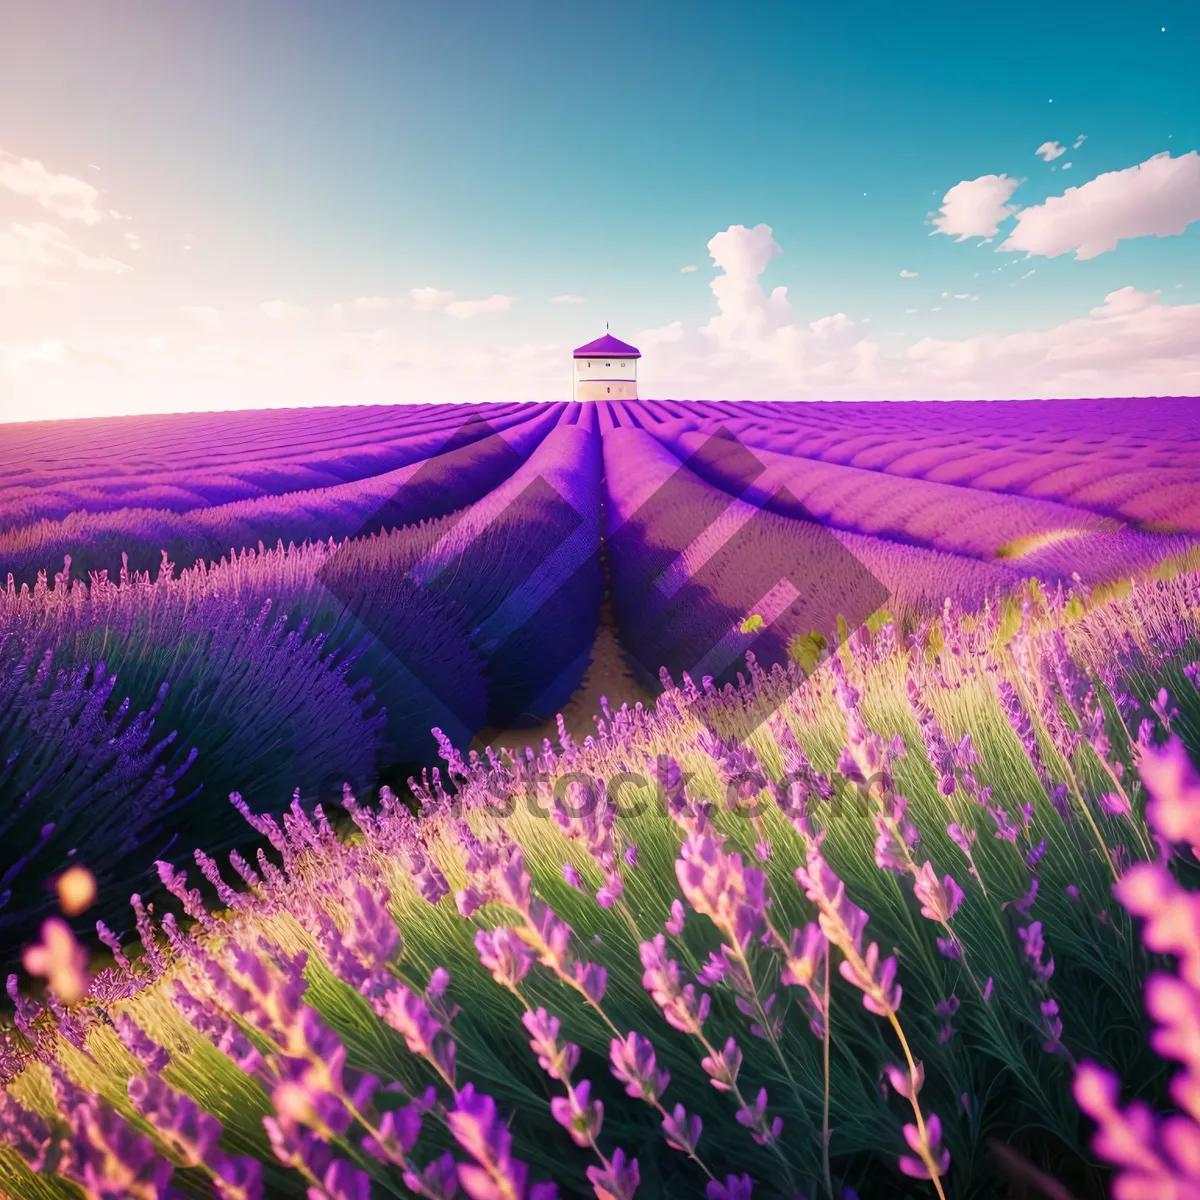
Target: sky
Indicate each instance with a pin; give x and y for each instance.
(208, 205)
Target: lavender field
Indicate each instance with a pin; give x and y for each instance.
(871, 872)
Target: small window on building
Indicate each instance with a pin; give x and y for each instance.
(608, 364)
(608, 389)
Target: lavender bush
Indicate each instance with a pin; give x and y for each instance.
(866, 945)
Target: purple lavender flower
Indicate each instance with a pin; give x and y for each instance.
(557, 1061)
(113, 942)
(439, 1178)
(681, 1130)
(342, 1181)
(147, 1051)
(939, 902)
(398, 1132)
(408, 1014)
(1035, 947)
(504, 954)
(661, 978)
(193, 903)
(735, 1187)
(190, 1132)
(592, 979)
(763, 1131)
(618, 1180)
(237, 1178)
(723, 1066)
(926, 1144)
(634, 1065)
(720, 887)
(24, 1131)
(946, 1009)
(578, 1114)
(103, 1153)
(495, 1174)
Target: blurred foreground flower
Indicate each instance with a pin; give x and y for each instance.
(76, 890)
(60, 960)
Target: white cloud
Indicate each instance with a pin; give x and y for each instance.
(1130, 345)
(281, 310)
(204, 313)
(910, 310)
(429, 299)
(1157, 198)
(1079, 141)
(569, 299)
(976, 207)
(361, 304)
(465, 309)
(64, 195)
(688, 269)
(907, 274)
(743, 255)
(1049, 151)
(1067, 166)
(32, 254)
(132, 241)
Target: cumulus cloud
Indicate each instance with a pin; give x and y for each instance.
(1157, 198)
(32, 254)
(1130, 345)
(688, 269)
(464, 310)
(204, 313)
(745, 309)
(1049, 151)
(976, 207)
(569, 299)
(907, 274)
(752, 337)
(281, 310)
(64, 195)
(429, 299)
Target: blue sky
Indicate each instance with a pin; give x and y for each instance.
(314, 153)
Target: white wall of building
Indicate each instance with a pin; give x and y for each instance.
(606, 379)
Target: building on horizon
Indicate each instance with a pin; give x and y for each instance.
(606, 369)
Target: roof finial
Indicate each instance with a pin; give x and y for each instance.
(605, 326)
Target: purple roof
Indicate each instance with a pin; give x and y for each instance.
(608, 345)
